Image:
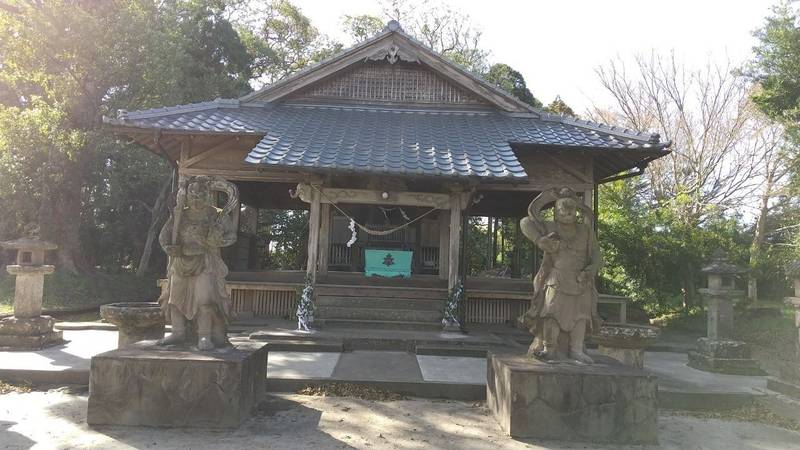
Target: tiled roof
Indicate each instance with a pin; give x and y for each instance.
(389, 140)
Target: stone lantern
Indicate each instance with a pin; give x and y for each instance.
(28, 329)
(788, 381)
(718, 352)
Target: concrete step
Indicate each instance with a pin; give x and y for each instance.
(381, 291)
(405, 315)
(381, 302)
(452, 350)
(305, 345)
(378, 324)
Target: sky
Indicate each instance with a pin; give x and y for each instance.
(557, 45)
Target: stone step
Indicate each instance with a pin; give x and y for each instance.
(381, 302)
(452, 350)
(305, 345)
(381, 291)
(406, 315)
(378, 324)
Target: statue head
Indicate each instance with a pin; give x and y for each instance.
(566, 206)
(198, 194)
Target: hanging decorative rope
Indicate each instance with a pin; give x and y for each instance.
(369, 230)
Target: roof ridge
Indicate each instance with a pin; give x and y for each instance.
(650, 137)
(387, 108)
(123, 114)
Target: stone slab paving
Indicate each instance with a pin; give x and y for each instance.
(378, 366)
(76, 354)
(296, 365)
(675, 375)
(452, 369)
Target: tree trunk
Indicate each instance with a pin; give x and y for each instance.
(759, 235)
(156, 216)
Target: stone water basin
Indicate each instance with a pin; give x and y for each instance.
(136, 321)
(626, 342)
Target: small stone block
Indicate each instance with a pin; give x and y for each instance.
(10, 342)
(731, 366)
(148, 385)
(26, 326)
(727, 349)
(603, 402)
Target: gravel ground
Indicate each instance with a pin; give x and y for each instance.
(56, 420)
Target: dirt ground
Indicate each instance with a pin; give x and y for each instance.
(56, 420)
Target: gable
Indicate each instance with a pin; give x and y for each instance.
(387, 82)
(389, 51)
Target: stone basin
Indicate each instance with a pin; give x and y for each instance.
(136, 321)
(626, 342)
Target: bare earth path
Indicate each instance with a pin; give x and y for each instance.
(56, 419)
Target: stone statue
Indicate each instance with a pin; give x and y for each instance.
(195, 291)
(564, 304)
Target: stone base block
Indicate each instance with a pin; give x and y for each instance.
(784, 387)
(732, 366)
(603, 402)
(149, 385)
(726, 349)
(630, 356)
(28, 333)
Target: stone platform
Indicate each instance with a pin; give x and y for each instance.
(604, 402)
(177, 387)
(724, 356)
(28, 333)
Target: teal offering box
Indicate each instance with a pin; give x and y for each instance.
(387, 263)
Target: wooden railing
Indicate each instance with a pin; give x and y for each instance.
(505, 307)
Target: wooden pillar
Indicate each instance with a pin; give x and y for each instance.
(313, 235)
(503, 241)
(455, 240)
(324, 237)
(490, 236)
(515, 261)
(494, 244)
(444, 243)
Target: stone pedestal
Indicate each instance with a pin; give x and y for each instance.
(28, 333)
(603, 402)
(723, 356)
(625, 342)
(788, 380)
(28, 289)
(136, 321)
(177, 387)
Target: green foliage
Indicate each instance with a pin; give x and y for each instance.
(558, 106)
(511, 81)
(776, 64)
(653, 255)
(363, 26)
(285, 234)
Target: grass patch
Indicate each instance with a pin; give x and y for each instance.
(752, 412)
(351, 390)
(67, 291)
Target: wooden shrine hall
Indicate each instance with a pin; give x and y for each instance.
(391, 149)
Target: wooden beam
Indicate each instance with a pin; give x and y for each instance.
(324, 237)
(313, 236)
(532, 187)
(245, 174)
(455, 240)
(579, 175)
(375, 197)
(444, 242)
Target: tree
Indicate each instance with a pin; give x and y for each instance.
(441, 28)
(558, 106)
(724, 153)
(141, 54)
(511, 81)
(283, 40)
(776, 63)
(362, 27)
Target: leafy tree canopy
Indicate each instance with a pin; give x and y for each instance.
(511, 81)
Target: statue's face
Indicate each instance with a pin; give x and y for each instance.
(197, 196)
(566, 210)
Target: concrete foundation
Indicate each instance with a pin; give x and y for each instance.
(604, 402)
(28, 333)
(150, 385)
(724, 356)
